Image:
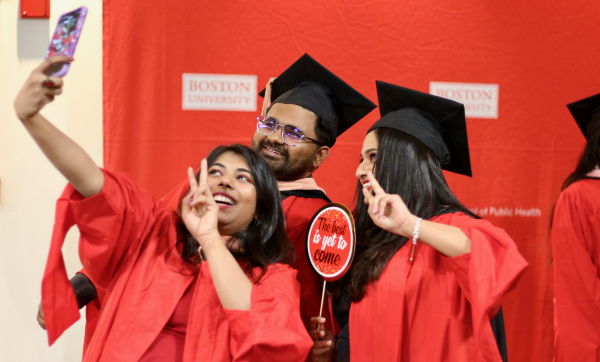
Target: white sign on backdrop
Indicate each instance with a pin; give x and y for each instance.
(480, 100)
(219, 92)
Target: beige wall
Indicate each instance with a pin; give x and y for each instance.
(29, 184)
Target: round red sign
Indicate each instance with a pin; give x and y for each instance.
(330, 241)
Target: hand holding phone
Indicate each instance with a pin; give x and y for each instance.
(65, 38)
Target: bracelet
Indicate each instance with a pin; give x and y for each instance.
(201, 253)
(416, 230)
(209, 240)
(415, 237)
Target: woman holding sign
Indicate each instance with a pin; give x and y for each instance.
(428, 275)
(206, 283)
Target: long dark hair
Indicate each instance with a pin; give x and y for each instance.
(264, 241)
(406, 167)
(590, 158)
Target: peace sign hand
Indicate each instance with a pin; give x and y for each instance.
(388, 211)
(199, 211)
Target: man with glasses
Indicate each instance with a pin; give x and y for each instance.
(312, 107)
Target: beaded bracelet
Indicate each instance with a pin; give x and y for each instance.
(415, 236)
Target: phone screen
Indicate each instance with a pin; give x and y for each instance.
(64, 35)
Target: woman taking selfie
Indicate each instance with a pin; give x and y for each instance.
(576, 247)
(206, 284)
(428, 275)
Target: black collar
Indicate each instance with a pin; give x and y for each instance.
(309, 194)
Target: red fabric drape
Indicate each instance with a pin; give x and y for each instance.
(542, 55)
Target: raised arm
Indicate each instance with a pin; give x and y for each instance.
(200, 214)
(66, 155)
(390, 213)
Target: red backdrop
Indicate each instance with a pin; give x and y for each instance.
(541, 54)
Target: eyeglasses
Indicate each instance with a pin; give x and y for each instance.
(289, 134)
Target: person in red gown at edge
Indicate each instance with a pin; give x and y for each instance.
(209, 283)
(576, 247)
(428, 274)
(312, 106)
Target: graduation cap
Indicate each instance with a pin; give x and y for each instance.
(437, 122)
(587, 114)
(308, 84)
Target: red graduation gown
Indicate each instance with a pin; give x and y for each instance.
(128, 247)
(437, 308)
(298, 213)
(576, 259)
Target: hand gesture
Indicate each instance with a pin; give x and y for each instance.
(39, 89)
(199, 211)
(323, 340)
(387, 211)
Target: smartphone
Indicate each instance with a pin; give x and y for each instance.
(65, 39)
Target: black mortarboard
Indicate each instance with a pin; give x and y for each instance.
(437, 122)
(308, 84)
(587, 114)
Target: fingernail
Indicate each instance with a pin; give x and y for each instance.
(328, 343)
(71, 59)
(191, 200)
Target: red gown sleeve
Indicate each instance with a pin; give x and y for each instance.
(483, 276)
(110, 223)
(272, 329)
(576, 259)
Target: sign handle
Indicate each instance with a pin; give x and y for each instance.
(322, 299)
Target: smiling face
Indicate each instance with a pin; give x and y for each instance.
(290, 163)
(232, 186)
(368, 155)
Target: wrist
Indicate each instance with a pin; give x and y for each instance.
(23, 117)
(212, 244)
(208, 238)
(26, 117)
(407, 228)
